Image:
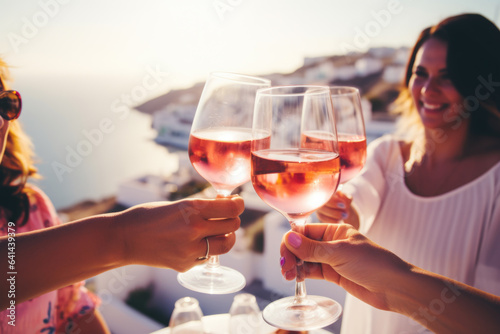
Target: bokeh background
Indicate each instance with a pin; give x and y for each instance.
(82, 66)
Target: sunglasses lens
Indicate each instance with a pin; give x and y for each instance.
(10, 104)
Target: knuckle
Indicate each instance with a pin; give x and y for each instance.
(227, 244)
(236, 223)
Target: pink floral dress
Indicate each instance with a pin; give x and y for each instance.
(56, 311)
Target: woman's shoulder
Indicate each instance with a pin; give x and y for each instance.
(35, 194)
(385, 144)
(41, 207)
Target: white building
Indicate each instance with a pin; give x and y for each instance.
(173, 124)
(367, 66)
(394, 73)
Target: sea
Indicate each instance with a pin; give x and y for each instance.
(87, 136)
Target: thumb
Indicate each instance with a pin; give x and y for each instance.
(307, 249)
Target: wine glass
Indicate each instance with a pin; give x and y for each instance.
(351, 131)
(219, 150)
(296, 172)
(186, 317)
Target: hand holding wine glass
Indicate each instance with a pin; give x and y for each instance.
(219, 150)
(296, 172)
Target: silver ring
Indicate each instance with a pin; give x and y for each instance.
(206, 255)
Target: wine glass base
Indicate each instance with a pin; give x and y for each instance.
(312, 313)
(215, 281)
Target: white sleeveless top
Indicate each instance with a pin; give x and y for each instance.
(456, 234)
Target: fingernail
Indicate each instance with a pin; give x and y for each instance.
(341, 205)
(344, 215)
(282, 261)
(294, 240)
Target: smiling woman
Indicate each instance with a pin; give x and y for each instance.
(431, 193)
(436, 98)
(452, 98)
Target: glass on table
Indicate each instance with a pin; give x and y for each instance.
(186, 317)
(245, 315)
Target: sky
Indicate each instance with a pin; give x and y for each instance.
(187, 39)
(78, 63)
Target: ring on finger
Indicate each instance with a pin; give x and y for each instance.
(206, 254)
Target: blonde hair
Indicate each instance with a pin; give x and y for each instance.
(409, 127)
(16, 167)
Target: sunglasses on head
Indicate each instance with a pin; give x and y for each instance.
(10, 104)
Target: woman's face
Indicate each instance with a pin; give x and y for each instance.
(4, 129)
(435, 97)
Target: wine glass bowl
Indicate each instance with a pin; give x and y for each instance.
(222, 157)
(219, 150)
(219, 143)
(294, 181)
(296, 171)
(351, 130)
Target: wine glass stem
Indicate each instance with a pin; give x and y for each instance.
(213, 262)
(339, 188)
(300, 284)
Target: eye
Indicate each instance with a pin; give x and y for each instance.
(420, 73)
(445, 78)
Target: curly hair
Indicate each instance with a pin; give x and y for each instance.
(16, 167)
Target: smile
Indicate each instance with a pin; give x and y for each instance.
(434, 106)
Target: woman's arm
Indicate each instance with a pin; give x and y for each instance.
(444, 305)
(168, 235)
(340, 254)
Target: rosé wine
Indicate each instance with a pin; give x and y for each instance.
(352, 150)
(222, 155)
(295, 182)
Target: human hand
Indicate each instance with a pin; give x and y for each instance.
(339, 253)
(172, 235)
(336, 209)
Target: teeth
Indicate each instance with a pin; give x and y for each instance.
(432, 106)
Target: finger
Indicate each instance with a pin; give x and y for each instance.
(230, 207)
(321, 271)
(329, 215)
(339, 200)
(307, 249)
(204, 248)
(340, 197)
(316, 231)
(290, 275)
(288, 261)
(327, 232)
(221, 244)
(313, 270)
(208, 228)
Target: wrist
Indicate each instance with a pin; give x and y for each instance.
(125, 231)
(402, 293)
(112, 241)
(414, 293)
